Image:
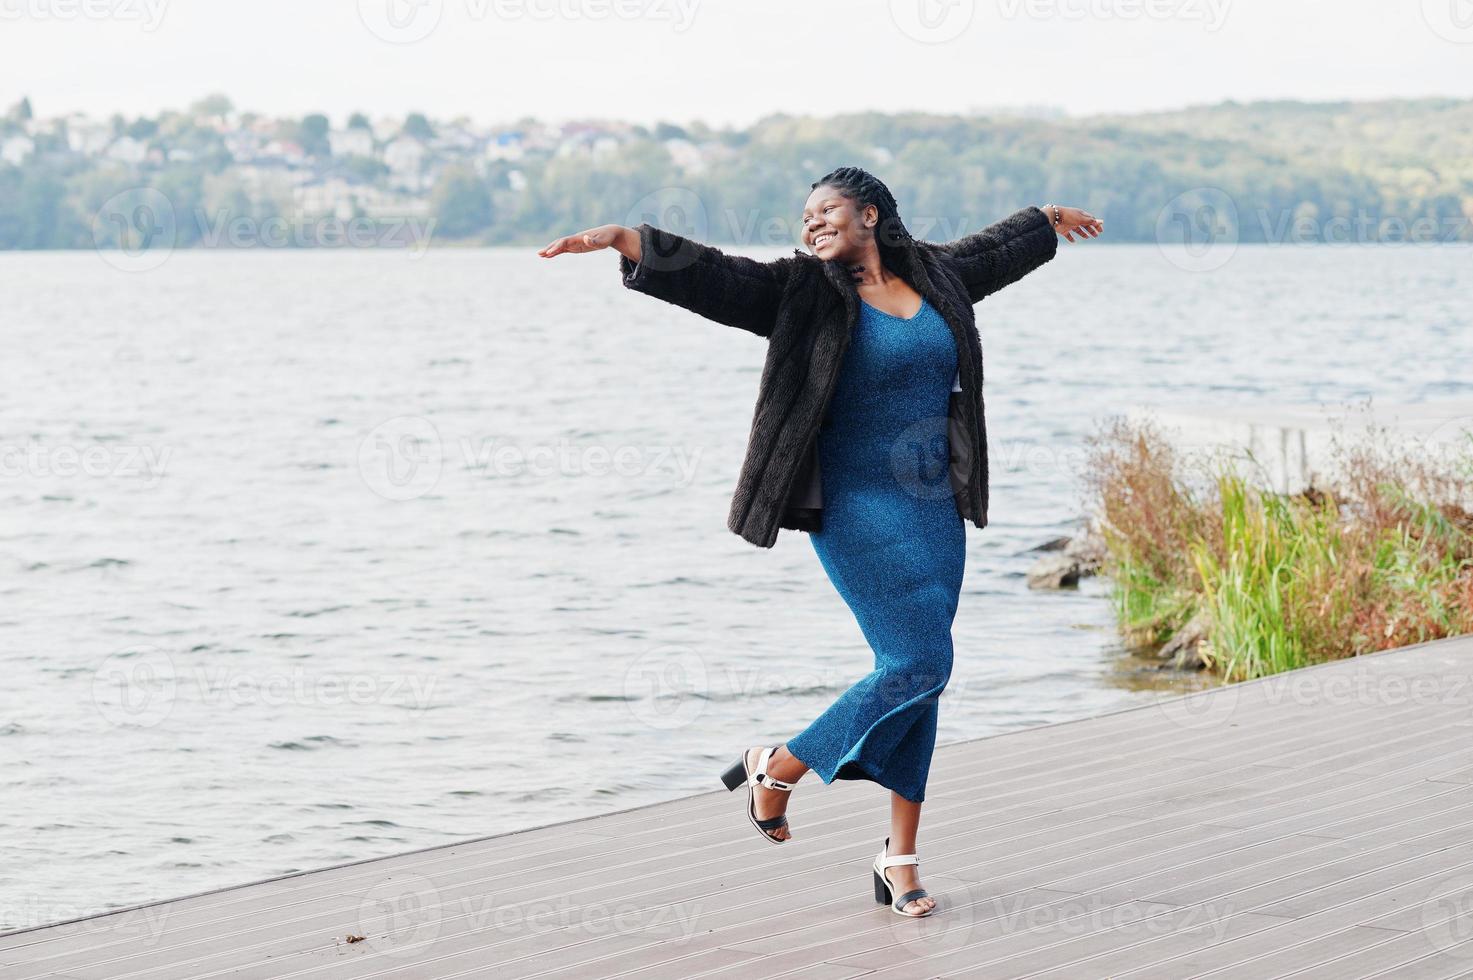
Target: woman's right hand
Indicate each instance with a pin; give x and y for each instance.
(604, 236)
(1075, 221)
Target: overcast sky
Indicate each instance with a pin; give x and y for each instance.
(725, 61)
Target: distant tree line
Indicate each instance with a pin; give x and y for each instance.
(1259, 172)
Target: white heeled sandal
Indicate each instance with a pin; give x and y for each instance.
(884, 890)
(738, 773)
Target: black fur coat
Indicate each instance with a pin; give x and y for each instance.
(806, 307)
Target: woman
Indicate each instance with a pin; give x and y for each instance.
(871, 453)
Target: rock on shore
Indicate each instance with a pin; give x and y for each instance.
(1068, 560)
(1184, 650)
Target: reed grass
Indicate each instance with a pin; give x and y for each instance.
(1383, 558)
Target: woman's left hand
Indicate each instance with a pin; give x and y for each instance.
(1074, 221)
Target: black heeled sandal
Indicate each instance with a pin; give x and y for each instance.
(738, 773)
(884, 890)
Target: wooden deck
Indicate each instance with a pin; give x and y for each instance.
(1316, 824)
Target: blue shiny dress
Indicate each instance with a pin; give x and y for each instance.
(893, 544)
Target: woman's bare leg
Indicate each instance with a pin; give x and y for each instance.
(770, 802)
(905, 819)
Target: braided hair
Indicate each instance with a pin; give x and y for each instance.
(864, 189)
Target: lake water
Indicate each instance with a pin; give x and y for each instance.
(318, 556)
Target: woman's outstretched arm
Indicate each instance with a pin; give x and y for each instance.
(729, 289)
(623, 240)
(1004, 252)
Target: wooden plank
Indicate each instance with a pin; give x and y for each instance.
(1275, 960)
(1389, 886)
(1094, 904)
(462, 855)
(1088, 848)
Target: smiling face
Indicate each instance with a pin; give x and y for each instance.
(834, 227)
